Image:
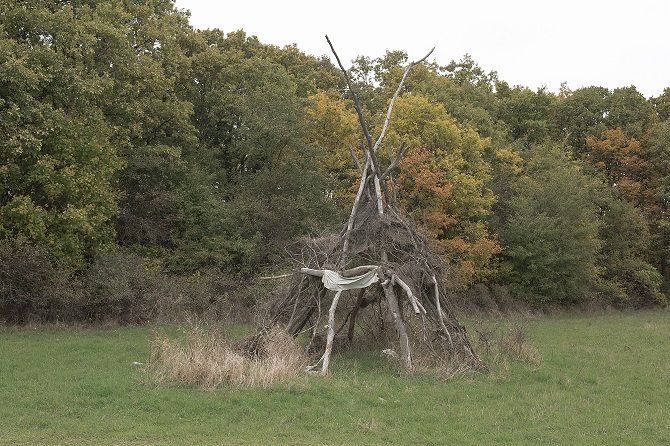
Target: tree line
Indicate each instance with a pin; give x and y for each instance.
(128, 137)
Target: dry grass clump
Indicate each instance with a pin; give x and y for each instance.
(500, 343)
(206, 358)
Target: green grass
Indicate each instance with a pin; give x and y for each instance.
(602, 379)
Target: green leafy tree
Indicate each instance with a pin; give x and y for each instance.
(467, 93)
(580, 114)
(590, 111)
(552, 235)
(310, 74)
(661, 105)
(143, 53)
(624, 255)
(630, 111)
(528, 114)
(657, 148)
(259, 182)
(623, 163)
(331, 129)
(58, 158)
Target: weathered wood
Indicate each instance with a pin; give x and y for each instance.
(331, 333)
(372, 148)
(401, 330)
(440, 315)
(353, 155)
(399, 249)
(416, 305)
(352, 216)
(378, 192)
(394, 162)
(357, 101)
(280, 276)
(354, 314)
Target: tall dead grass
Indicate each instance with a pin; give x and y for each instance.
(206, 358)
(499, 343)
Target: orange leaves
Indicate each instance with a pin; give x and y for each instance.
(424, 185)
(622, 161)
(443, 184)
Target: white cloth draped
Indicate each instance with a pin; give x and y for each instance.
(334, 281)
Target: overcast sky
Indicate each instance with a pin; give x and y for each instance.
(533, 43)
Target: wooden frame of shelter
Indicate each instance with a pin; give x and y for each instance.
(379, 252)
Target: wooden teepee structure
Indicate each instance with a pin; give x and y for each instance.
(378, 257)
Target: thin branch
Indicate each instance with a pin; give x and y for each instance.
(395, 96)
(357, 101)
(438, 307)
(353, 155)
(354, 314)
(282, 276)
(418, 308)
(423, 59)
(401, 152)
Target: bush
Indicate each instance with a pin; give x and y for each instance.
(634, 284)
(32, 286)
(116, 287)
(128, 288)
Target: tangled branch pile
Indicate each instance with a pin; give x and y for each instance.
(379, 258)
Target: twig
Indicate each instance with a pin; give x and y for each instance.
(438, 307)
(282, 276)
(395, 96)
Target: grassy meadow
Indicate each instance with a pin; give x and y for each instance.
(599, 379)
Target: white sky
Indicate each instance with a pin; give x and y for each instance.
(534, 43)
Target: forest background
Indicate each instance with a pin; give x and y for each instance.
(151, 170)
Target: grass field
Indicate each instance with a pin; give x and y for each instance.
(601, 379)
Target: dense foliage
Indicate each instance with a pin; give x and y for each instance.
(124, 130)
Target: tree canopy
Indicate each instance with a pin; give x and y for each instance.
(123, 128)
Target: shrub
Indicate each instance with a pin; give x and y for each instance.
(128, 288)
(115, 286)
(32, 287)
